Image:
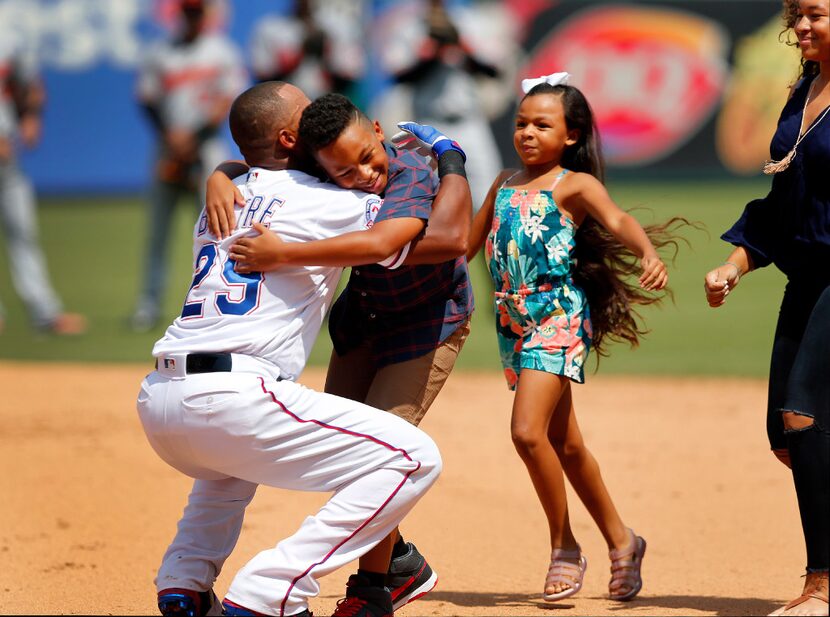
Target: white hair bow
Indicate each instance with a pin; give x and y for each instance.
(555, 79)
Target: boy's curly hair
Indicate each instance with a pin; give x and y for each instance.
(325, 119)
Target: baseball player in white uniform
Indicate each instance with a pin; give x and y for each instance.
(223, 405)
(21, 99)
(186, 86)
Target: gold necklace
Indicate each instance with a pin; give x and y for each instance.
(773, 167)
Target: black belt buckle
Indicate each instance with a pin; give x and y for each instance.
(208, 363)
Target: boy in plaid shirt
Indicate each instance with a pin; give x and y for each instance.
(396, 332)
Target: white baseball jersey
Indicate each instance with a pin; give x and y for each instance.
(274, 315)
(185, 80)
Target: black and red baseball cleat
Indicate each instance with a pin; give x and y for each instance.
(410, 577)
(364, 600)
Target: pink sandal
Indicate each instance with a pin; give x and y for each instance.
(565, 572)
(625, 569)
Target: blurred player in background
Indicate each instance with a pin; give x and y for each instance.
(21, 100)
(186, 86)
(445, 94)
(318, 48)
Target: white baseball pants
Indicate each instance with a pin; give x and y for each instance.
(232, 431)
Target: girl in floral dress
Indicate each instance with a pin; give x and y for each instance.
(561, 253)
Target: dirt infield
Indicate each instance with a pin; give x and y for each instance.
(89, 509)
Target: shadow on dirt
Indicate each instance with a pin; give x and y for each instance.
(713, 605)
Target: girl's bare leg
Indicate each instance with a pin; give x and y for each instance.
(537, 396)
(581, 468)
(583, 472)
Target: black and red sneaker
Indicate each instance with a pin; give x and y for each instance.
(410, 577)
(364, 600)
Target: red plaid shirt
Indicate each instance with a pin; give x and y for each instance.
(408, 312)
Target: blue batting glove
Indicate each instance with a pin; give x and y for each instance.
(430, 137)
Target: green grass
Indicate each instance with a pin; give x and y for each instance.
(688, 337)
(95, 250)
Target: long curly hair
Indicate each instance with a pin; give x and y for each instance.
(789, 13)
(605, 269)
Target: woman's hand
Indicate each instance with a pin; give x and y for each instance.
(222, 195)
(654, 276)
(719, 282)
(257, 253)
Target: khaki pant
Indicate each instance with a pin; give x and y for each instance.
(406, 389)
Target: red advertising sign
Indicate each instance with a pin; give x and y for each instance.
(653, 75)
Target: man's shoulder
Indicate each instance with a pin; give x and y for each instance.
(260, 177)
(299, 181)
(294, 196)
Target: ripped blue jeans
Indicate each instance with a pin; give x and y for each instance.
(800, 383)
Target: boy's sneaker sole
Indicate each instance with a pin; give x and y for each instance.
(410, 577)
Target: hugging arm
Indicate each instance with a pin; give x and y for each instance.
(448, 229)
(394, 238)
(384, 243)
(221, 196)
(389, 241)
(447, 233)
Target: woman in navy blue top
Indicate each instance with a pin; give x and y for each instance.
(790, 228)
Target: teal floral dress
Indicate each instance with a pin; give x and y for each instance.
(542, 319)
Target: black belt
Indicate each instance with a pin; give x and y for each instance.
(207, 363)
